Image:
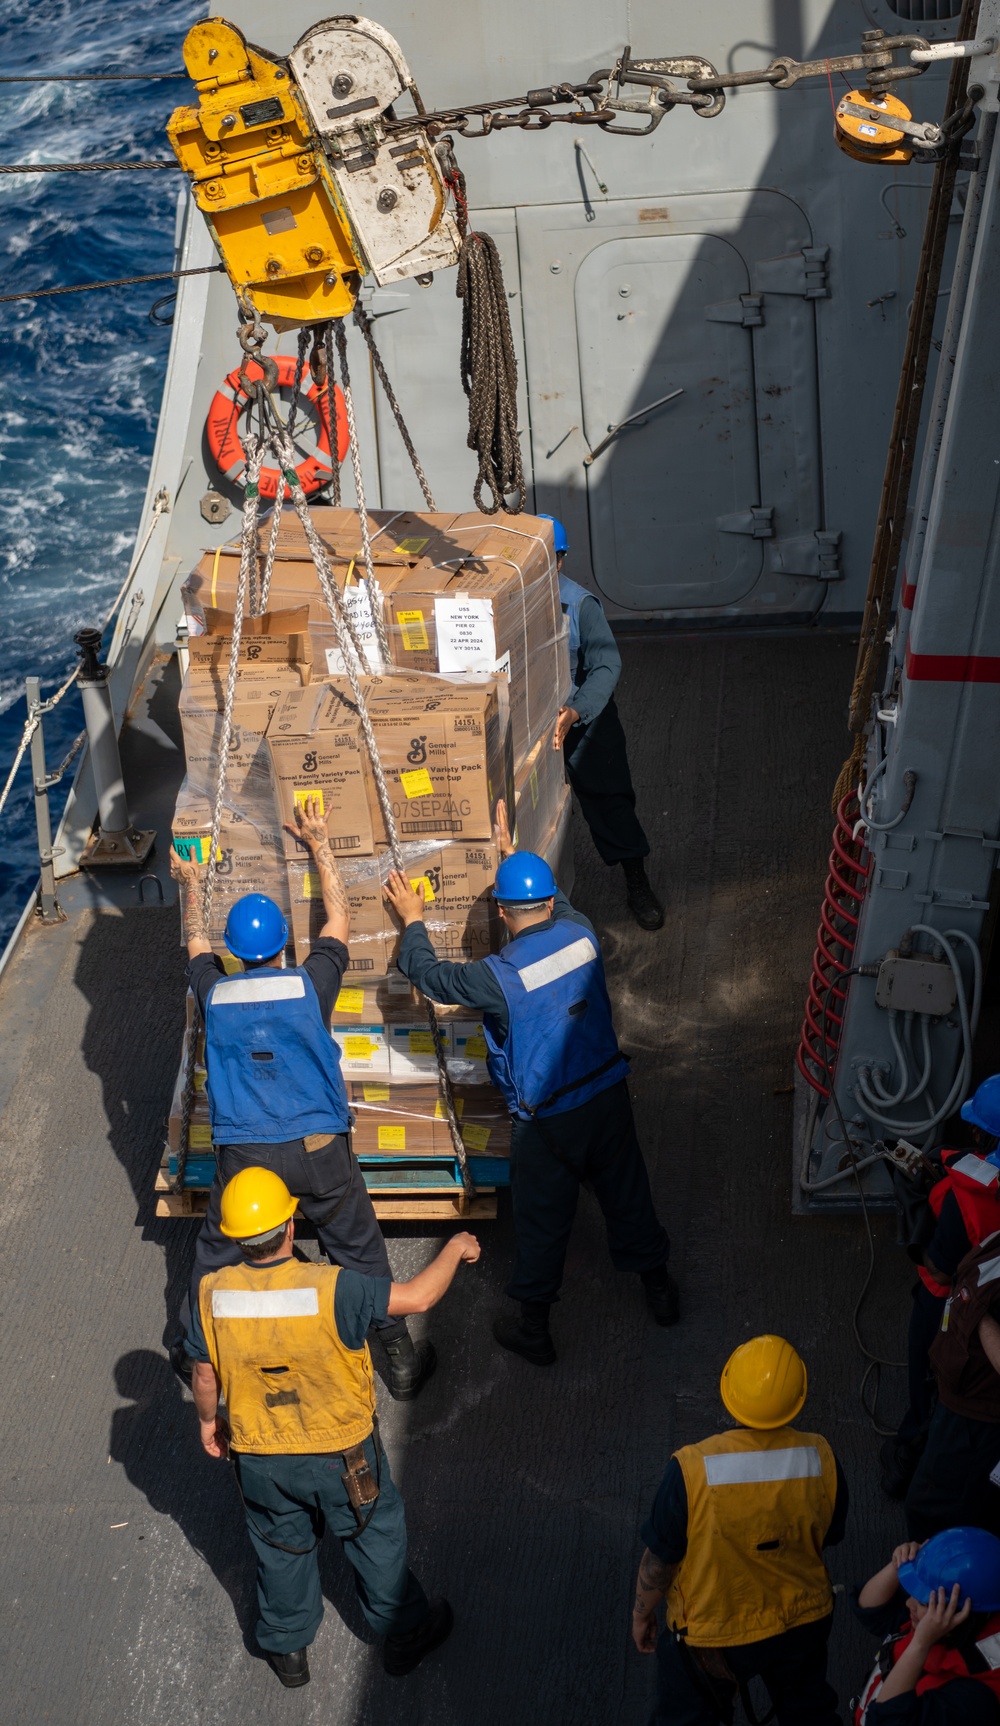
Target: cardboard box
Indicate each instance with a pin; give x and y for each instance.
(316, 747)
(373, 940)
(363, 1049)
(411, 1121)
(539, 792)
(468, 1053)
(445, 756)
(411, 1050)
(248, 858)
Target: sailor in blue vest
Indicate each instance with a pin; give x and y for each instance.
(589, 733)
(276, 1095)
(553, 1052)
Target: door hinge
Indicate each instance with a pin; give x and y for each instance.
(757, 521)
(748, 310)
(803, 273)
(816, 555)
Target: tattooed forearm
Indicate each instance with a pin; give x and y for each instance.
(335, 901)
(652, 1583)
(194, 911)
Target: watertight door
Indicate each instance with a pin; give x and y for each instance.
(668, 498)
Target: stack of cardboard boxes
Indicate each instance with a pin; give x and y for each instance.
(462, 716)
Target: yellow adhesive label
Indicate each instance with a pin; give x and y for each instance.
(310, 791)
(195, 847)
(376, 1093)
(414, 631)
(533, 782)
(392, 1138)
(423, 881)
(411, 548)
(199, 1138)
(417, 782)
(441, 1113)
(232, 966)
(476, 1138)
(200, 1077)
(475, 1047)
(359, 1048)
(421, 1043)
(312, 886)
(350, 1001)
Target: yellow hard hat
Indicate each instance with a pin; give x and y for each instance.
(255, 1202)
(764, 1383)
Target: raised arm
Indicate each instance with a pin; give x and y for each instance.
(187, 873)
(310, 827)
(425, 1289)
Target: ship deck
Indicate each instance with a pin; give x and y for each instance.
(129, 1588)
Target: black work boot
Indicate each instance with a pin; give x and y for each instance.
(642, 901)
(528, 1335)
(662, 1295)
(292, 1669)
(410, 1363)
(181, 1361)
(402, 1653)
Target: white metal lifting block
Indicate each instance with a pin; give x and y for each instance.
(350, 72)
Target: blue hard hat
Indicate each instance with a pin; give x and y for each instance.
(255, 928)
(983, 1109)
(968, 1556)
(558, 531)
(523, 877)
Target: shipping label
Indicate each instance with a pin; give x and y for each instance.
(466, 638)
(414, 631)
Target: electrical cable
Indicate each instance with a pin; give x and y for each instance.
(969, 1018)
(875, 1363)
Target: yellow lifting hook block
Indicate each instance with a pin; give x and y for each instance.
(249, 150)
(302, 188)
(863, 127)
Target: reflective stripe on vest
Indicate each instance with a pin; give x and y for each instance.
(273, 1067)
(976, 1186)
(291, 1385)
(560, 1049)
(942, 1666)
(759, 1508)
(744, 1468)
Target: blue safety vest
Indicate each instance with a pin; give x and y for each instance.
(561, 1047)
(273, 1067)
(571, 597)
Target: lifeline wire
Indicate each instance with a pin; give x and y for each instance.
(120, 282)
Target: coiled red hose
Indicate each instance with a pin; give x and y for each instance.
(843, 895)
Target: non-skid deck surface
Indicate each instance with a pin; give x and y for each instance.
(128, 1578)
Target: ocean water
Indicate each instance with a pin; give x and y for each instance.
(80, 376)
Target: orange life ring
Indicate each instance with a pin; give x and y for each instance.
(221, 427)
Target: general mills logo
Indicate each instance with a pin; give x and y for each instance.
(235, 739)
(253, 650)
(309, 761)
(224, 863)
(417, 752)
(434, 877)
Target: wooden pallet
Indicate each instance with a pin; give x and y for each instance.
(429, 1204)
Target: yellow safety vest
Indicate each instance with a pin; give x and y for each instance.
(290, 1383)
(759, 1507)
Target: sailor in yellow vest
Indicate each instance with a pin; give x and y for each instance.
(283, 1342)
(735, 1543)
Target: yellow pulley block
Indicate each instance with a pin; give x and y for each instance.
(250, 152)
(863, 127)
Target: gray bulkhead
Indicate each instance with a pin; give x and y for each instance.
(744, 260)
